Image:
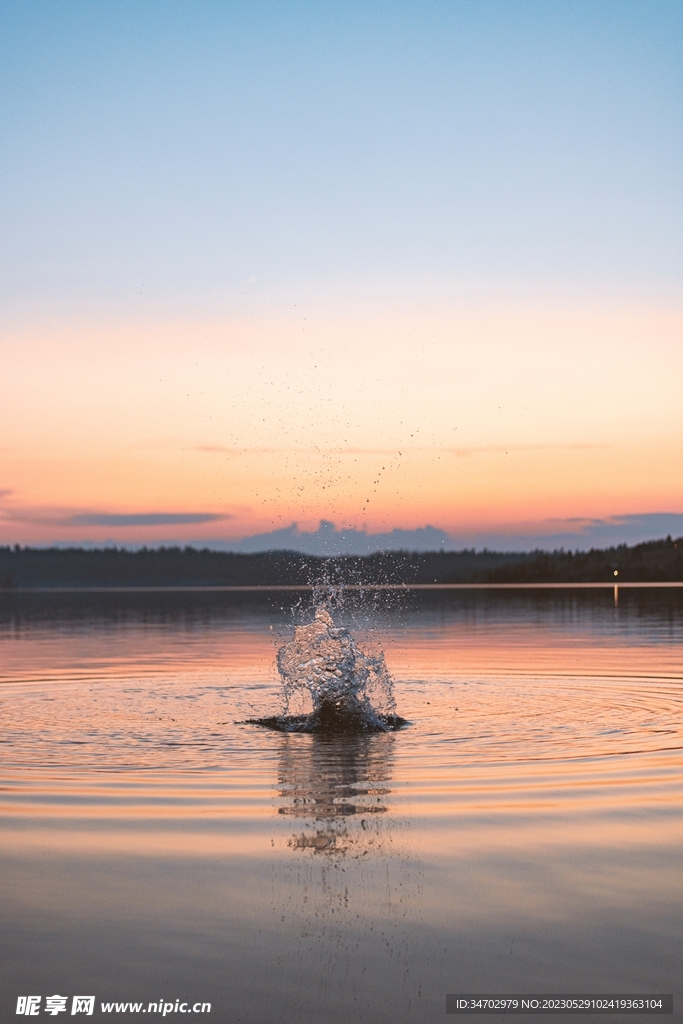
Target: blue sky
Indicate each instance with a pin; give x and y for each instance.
(167, 154)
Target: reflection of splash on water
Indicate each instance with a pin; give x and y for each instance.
(346, 891)
(348, 690)
(345, 888)
(339, 784)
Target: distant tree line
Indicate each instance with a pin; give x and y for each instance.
(654, 561)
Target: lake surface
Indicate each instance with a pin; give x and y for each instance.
(522, 834)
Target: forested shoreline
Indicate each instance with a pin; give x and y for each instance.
(25, 567)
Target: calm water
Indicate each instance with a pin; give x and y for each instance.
(523, 833)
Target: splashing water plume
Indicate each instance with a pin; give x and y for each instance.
(350, 690)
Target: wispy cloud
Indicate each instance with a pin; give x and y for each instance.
(69, 518)
(142, 518)
(575, 533)
(498, 449)
(460, 452)
(217, 449)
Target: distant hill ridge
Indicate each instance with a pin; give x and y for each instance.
(651, 562)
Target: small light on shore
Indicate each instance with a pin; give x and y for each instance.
(616, 572)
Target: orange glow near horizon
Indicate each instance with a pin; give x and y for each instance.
(463, 418)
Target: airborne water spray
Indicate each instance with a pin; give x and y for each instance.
(349, 689)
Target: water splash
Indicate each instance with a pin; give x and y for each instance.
(349, 689)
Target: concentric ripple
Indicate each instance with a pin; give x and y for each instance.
(511, 706)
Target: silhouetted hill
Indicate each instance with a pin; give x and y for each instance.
(655, 561)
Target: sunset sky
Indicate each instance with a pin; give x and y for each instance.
(386, 265)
